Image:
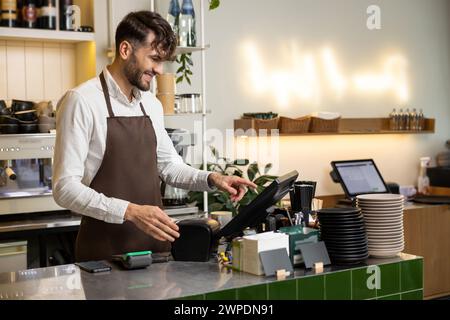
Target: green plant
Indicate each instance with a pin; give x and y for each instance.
(220, 200)
(184, 72)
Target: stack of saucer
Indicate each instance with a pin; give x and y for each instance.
(344, 235)
(383, 217)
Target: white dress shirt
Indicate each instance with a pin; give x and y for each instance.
(81, 142)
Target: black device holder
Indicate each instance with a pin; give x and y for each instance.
(199, 238)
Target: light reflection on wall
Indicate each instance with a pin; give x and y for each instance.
(308, 76)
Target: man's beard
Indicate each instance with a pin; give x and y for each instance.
(134, 75)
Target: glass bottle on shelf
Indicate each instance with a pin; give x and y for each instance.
(187, 33)
(19, 12)
(173, 16)
(393, 120)
(421, 121)
(401, 125)
(47, 15)
(30, 14)
(413, 120)
(8, 10)
(407, 120)
(65, 18)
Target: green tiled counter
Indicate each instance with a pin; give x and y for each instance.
(399, 279)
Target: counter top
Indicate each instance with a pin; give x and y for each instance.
(170, 280)
(38, 221)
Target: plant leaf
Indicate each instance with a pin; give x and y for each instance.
(180, 69)
(214, 152)
(216, 207)
(189, 60)
(214, 4)
(267, 168)
(262, 180)
(179, 79)
(252, 171)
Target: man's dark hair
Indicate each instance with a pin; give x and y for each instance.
(136, 26)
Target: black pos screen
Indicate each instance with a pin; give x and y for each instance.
(359, 177)
(256, 212)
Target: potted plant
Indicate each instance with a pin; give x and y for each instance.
(220, 200)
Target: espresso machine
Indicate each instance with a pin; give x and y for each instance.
(26, 173)
(175, 200)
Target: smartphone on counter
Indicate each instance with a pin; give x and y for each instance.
(94, 266)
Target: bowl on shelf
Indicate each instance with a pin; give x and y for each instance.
(4, 110)
(29, 128)
(20, 105)
(28, 115)
(9, 128)
(8, 120)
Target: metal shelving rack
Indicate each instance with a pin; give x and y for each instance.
(202, 49)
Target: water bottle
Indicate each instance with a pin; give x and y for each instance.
(421, 121)
(173, 17)
(401, 120)
(414, 121)
(393, 120)
(407, 120)
(188, 37)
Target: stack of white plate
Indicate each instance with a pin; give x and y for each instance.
(383, 217)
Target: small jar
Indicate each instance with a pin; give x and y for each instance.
(191, 103)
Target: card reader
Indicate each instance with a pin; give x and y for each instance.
(134, 260)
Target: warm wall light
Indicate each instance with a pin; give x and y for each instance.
(306, 77)
(393, 78)
(335, 77)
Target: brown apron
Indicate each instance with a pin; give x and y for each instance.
(128, 172)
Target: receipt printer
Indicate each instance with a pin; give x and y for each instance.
(197, 240)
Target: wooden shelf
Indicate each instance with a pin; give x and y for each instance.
(22, 34)
(184, 50)
(180, 50)
(186, 114)
(347, 126)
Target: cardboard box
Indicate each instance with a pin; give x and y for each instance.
(298, 236)
(253, 245)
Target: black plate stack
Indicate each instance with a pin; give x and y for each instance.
(344, 234)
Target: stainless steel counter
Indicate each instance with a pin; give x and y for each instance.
(159, 281)
(39, 222)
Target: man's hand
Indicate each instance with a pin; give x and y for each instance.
(235, 186)
(153, 221)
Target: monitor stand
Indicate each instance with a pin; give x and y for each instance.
(346, 203)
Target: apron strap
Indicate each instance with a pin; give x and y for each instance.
(108, 99)
(106, 94)
(143, 110)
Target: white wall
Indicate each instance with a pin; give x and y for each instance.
(36, 70)
(416, 29)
